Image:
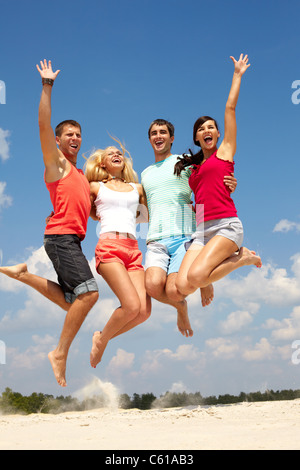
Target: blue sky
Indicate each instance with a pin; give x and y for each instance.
(124, 64)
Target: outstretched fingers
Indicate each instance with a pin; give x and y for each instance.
(45, 69)
(241, 65)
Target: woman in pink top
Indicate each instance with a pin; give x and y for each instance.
(216, 247)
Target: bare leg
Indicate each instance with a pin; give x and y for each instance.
(160, 288)
(207, 292)
(76, 313)
(216, 260)
(50, 290)
(138, 280)
(183, 321)
(75, 317)
(135, 306)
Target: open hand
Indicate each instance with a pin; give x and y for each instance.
(46, 70)
(241, 65)
(49, 218)
(231, 182)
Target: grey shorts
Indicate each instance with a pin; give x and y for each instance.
(166, 254)
(73, 271)
(230, 227)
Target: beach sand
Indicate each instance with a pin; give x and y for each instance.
(261, 426)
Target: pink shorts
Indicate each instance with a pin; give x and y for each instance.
(119, 250)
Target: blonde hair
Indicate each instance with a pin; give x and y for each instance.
(95, 172)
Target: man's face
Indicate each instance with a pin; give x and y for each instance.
(70, 140)
(160, 139)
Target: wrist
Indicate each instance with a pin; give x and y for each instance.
(47, 81)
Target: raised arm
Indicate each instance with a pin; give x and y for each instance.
(50, 151)
(228, 147)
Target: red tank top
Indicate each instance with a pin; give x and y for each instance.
(211, 194)
(70, 197)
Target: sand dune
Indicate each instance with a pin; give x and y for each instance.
(263, 425)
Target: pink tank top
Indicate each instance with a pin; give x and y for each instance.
(212, 198)
(70, 197)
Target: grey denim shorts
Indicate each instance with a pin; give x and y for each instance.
(72, 268)
(230, 227)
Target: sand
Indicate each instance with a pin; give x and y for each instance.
(245, 426)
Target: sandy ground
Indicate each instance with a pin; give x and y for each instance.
(264, 425)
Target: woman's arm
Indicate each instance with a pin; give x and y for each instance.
(228, 146)
(142, 214)
(94, 189)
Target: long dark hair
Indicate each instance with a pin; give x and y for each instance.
(193, 159)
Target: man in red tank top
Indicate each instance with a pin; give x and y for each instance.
(70, 195)
(76, 290)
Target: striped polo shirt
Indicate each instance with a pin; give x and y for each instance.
(169, 200)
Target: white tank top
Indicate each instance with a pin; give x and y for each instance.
(117, 210)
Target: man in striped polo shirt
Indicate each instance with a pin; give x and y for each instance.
(171, 223)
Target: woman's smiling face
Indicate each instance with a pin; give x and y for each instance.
(207, 135)
(113, 159)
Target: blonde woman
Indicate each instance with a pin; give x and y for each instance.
(116, 197)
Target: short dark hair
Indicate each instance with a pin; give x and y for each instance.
(162, 122)
(69, 122)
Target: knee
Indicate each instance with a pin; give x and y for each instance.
(197, 277)
(173, 293)
(94, 296)
(154, 286)
(132, 310)
(91, 297)
(182, 286)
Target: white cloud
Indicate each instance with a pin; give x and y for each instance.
(228, 349)
(235, 322)
(157, 360)
(285, 226)
(38, 311)
(4, 145)
(287, 329)
(5, 200)
(223, 348)
(123, 360)
(186, 352)
(100, 313)
(262, 350)
(33, 356)
(270, 285)
(179, 387)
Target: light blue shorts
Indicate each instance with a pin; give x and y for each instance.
(230, 227)
(166, 254)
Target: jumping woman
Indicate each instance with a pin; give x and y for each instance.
(216, 247)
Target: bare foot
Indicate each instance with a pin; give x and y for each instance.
(207, 294)
(183, 321)
(14, 271)
(98, 349)
(59, 368)
(249, 257)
